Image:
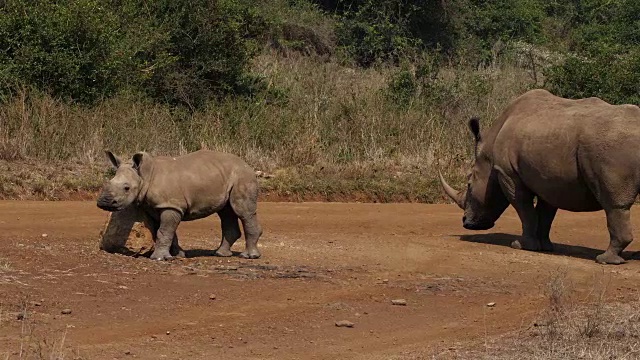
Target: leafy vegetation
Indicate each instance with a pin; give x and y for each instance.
(337, 96)
(178, 52)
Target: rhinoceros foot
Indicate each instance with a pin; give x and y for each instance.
(250, 254)
(526, 244)
(223, 252)
(546, 246)
(161, 255)
(177, 252)
(610, 258)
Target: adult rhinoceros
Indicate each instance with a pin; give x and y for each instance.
(188, 187)
(576, 155)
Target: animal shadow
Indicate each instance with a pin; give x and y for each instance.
(196, 253)
(575, 251)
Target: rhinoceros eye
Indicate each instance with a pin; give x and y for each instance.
(127, 188)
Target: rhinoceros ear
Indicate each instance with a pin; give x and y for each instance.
(115, 161)
(140, 160)
(474, 125)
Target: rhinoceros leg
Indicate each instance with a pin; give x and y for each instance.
(621, 234)
(230, 231)
(521, 198)
(252, 232)
(243, 200)
(169, 221)
(175, 249)
(546, 213)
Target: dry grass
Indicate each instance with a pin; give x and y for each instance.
(333, 134)
(33, 342)
(569, 328)
(5, 265)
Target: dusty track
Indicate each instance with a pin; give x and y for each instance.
(321, 263)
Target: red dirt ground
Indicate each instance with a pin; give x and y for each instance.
(322, 262)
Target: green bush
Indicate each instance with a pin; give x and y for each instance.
(390, 30)
(179, 52)
(606, 53)
(610, 76)
(203, 51)
(65, 48)
(372, 31)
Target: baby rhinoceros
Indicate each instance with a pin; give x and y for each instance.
(189, 187)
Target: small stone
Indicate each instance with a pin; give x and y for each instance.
(385, 280)
(36, 303)
(344, 323)
(401, 302)
(212, 297)
(21, 316)
(127, 352)
(168, 332)
(491, 304)
(44, 235)
(66, 311)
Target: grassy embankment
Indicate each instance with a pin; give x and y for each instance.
(328, 131)
(337, 136)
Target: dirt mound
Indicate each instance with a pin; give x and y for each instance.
(126, 232)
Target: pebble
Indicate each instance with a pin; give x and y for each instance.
(44, 235)
(344, 323)
(491, 304)
(66, 311)
(21, 316)
(212, 297)
(385, 280)
(36, 303)
(168, 332)
(127, 352)
(402, 302)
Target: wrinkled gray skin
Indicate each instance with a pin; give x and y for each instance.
(189, 187)
(576, 155)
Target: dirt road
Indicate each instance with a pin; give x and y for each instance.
(321, 263)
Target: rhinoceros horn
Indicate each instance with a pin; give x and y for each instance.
(456, 196)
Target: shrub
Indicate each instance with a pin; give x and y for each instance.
(612, 77)
(63, 47)
(606, 58)
(179, 52)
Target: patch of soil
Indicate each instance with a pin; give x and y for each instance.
(321, 264)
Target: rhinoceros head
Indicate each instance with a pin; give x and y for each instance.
(482, 201)
(123, 189)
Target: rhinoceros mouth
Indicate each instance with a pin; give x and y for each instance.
(109, 206)
(477, 226)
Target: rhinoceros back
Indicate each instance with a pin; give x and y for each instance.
(196, 184)
(561, 149)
